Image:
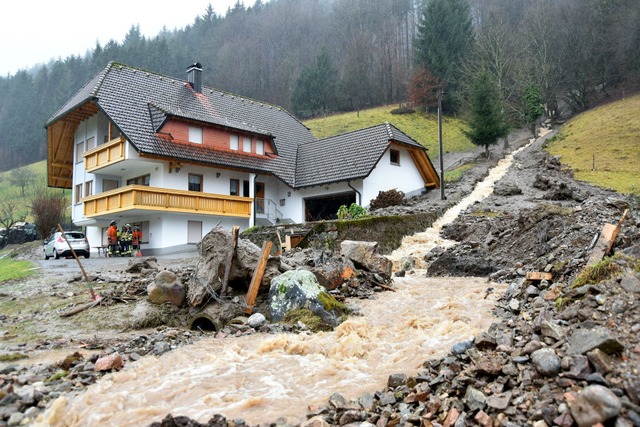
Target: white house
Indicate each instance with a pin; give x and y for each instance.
(178, 158)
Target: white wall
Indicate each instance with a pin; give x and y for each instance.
(385, 176)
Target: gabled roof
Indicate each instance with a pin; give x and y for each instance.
(139, 102)
(336, 158)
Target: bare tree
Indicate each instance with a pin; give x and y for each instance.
(48, 209)
(10, 212)
(21, 177)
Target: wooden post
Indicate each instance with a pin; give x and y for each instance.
(606, 240)
(252, 293)
(227, 269)
(86, 277)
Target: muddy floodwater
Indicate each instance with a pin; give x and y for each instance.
(263, 377)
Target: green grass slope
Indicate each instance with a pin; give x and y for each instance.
(9, 191)
(420, 126)
(602, 145)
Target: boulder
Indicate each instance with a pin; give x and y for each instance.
(595, 404)
(585, 340)
(166, 288)
(366, 255)
(107, 363)
(214, 250)
(300, 289)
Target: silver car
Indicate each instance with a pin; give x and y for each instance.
(55, 246)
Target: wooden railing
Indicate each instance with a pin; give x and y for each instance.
(151, 198)
(104, 155)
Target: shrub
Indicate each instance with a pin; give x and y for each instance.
(354, 211)
(403, 110)
(387, 198)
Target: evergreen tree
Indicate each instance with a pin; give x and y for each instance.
(314, 90)
(533, 108)
(444, 40)
(487, 124)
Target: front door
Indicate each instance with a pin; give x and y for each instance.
(259, 197)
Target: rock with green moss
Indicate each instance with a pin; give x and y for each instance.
(297, 289)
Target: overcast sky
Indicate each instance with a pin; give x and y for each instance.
(33, 32)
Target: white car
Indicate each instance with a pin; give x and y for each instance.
(55, 246)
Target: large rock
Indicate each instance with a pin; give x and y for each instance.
(365, 255)
(595, 404)
(214, 250)
(299, 289)
(166, 288)
(585, 340)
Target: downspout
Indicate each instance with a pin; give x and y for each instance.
(359, 195)
(253, 190)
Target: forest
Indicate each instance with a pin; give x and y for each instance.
(318, 57)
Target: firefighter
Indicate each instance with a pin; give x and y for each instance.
(136, 239)
(112, 239)
(124, 237)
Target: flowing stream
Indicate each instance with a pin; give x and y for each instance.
(261, 378)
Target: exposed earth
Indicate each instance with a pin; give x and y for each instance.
(562, 353)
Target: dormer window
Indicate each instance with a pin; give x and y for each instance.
(233, 142)
(195, 135)
(260, 147)
(246, 144)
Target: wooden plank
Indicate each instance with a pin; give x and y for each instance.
(252, 293)
(227, 269)
(606, 240)
(538, 275)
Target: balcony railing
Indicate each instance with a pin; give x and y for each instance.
(104, 155)
(151, 198)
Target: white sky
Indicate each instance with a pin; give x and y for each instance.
(33, 32)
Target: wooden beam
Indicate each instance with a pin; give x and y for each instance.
(232, 254)
(252, 293)
(538, 275)
(606, 240)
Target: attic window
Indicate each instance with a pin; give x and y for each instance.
(395, 157)
(195, 135)
(260, 147)
(246, 144)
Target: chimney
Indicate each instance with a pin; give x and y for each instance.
(194, 76)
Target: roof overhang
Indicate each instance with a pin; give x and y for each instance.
(60, 144)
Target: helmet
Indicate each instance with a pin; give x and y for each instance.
(113, 222)
(128, 225)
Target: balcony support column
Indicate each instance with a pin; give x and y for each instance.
(252, 195)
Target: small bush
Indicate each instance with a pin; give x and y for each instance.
(354, 211)
(387, 198)
(598, 272)
(403, 110)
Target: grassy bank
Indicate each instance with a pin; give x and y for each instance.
(420, 126)
(602, 146)
(11, 269)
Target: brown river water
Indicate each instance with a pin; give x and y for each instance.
(261, 378)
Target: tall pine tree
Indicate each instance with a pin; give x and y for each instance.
(486, 123)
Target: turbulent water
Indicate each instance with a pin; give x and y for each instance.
(264, 377)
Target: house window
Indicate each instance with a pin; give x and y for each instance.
(233, 142)
(195, 182)
(395, 157)
(195, 135)
(260, 147)
(79, 151)
(88, 188)
(140, 180)
(234, 187)
(91, 143)
(194, 232)
(246, 144)
(109, 184)
(78, 193)
(245, 188)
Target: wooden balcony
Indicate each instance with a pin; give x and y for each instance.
(140, 197)
(104, 155)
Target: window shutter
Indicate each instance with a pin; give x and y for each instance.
(194, 232)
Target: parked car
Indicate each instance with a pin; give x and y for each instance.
(55, 246)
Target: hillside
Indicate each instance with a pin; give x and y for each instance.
(420, 126)
(602, 145)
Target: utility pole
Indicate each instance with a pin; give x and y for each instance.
(442, 196)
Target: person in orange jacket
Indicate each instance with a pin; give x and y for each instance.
(112, 238)
(136, 239)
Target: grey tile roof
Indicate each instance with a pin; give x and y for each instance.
(348, 156)
(139, 102)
